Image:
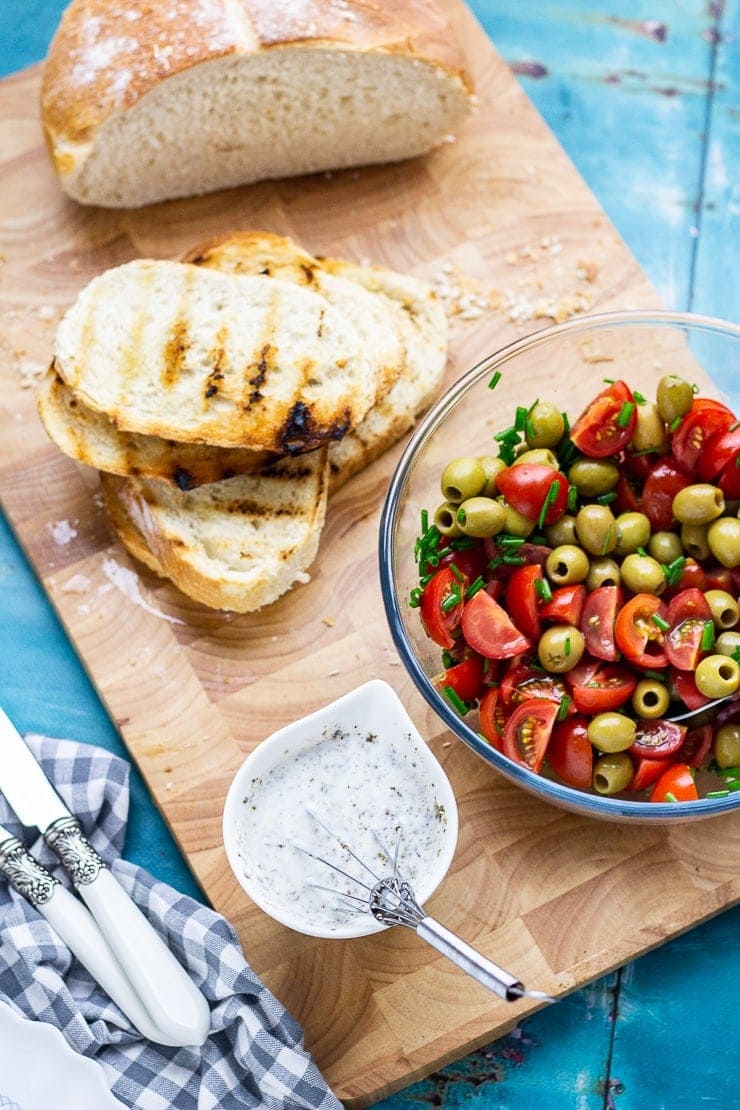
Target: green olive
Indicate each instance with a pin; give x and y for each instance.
(592, 477)
(613, 773)
(723, 537)
(612, 732)
(650, 699)
(560, 648)
(694, 540)
(596, 529)
(727, 643)
(633, 531)
(562, 531)
(516, 524)
(717, 676)
(665, 547)
(542, 456)
(567, 564)
(445, 519)
(698, 504)
(643, 575)
(546, 426)
(727, 745)
(649, 433)
(492, 467)
(675, 397)
(603, 572)
(725, 609)
(481, 517)
(462, 478)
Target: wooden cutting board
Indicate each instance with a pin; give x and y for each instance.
(502, 222)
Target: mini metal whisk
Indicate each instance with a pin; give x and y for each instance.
(391, 900)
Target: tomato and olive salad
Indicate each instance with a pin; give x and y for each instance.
(583, 585)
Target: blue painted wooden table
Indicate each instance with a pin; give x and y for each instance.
(646, 100)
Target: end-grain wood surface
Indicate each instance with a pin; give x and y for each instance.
(503, 214)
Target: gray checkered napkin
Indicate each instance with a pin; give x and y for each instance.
(254, 1055)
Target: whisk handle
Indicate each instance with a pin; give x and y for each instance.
(474, 963)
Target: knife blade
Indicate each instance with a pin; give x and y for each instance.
(173, 1001)
(75, 927)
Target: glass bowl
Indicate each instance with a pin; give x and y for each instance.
(567, 364)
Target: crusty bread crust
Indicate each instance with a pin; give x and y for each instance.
(108, 55)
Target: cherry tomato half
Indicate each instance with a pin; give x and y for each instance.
(688, 613)
(528, 486)
(675, 785)
(638, 631)
(527, 732)
(647, 771)
(657, 739)
(523, 682)
(565, 605)
(686, 689)
(606, 425)
(729, 480)
(705, 419)
(696, 746)
(465, 678)
(722, 448)
(440, 613)
(609, 687)
(488, 629)
(570, 753)
(598, 621)
(492, 717)
(522, 598)
(662, 484)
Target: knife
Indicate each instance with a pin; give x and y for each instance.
(174, 1003)
(75, 926)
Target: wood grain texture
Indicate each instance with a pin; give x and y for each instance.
(192, 690)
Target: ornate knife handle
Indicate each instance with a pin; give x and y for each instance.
(79, 859)
(25, 873)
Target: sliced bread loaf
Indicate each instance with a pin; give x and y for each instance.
(156, 100)
(237, 544)
(185, 353)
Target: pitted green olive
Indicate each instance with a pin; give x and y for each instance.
(717, 676)
(725, 609)
(649, 433)
(727, 745)
(516, 524)
(643, 575)
(596, 529)
(560, 647)
(592, 477)
(675, 397)
(650, 699)
(492, 467)
(545, 426)
(613, 773)
(566, 565)
(694, 540)
(445, 519)
(727, 643)
(603, 572)
(698, 504)
(562, 531)
(542, 456)
(481, 517)
(723, 537)
(462, 478)
(612, 732)
(665, 547)
(633, 531)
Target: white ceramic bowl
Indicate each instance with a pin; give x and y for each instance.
(377, 709)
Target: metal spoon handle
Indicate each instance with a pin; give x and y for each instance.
(474, 963)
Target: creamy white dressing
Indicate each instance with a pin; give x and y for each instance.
(370, 789)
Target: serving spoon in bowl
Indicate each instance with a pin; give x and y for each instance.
(704, 715)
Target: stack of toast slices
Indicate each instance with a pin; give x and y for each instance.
(225, 397)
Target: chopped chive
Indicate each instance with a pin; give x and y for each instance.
(607, 498)
(642, 551)
(456, 700)
(507, 540)
(695, 389)
(424, 579)
(533, 406)
(572, 498)
(514, 560)
(495, 562)
(707, 635)
(506, 453)
(474, 587)
(415, 597)
(563, 710)
(509, 435)
(625, 414)
(542, 586)
(608, 381)
(736, 655)
(672, 571)
(737, 460)
(645, 451)
(660, 623)
(461, 515)
(520, 417)
(733, 785)
(675, 424)
(552, 494)
(605, 549)
(734, 427)
(717, 793)
(638, 397)
(424, 521)
(457, 572)
(657, 676)
(495, 380)
(529, 430)
(462, 543)
(567, 646)
(670, 797)
(733, 772)
(566, 422)
(453, 598)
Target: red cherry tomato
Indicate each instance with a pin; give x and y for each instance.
(647, 771)
(489, 631)
(662, 484)
(523, 682)
(638, 636)
(696, 746)
(598, 621)
(471, 562)
(693, 577)
(570, 753)
(688, 613)
(685, 687)
(722, 448)
(465, 678)
(440, 619)
(718, 578)
(492, 718)
(609, 687)
(729, 480)
(521, 600)
(527, 486)
(657, 739)
(705, 419)
(565, 605)
(606, 425)
(527, 732)
(675, 785)
(628, 499)
(583, 672)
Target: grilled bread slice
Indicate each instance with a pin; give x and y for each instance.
(237, 544)
(92, 438)
(191, 354)
(411, 302)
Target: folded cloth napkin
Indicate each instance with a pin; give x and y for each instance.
(254, 1055)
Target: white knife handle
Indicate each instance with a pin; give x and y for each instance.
(174, 1003)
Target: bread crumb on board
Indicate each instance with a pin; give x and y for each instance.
(62, 532)
(127, 583)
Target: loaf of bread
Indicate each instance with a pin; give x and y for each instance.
(142, 102)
